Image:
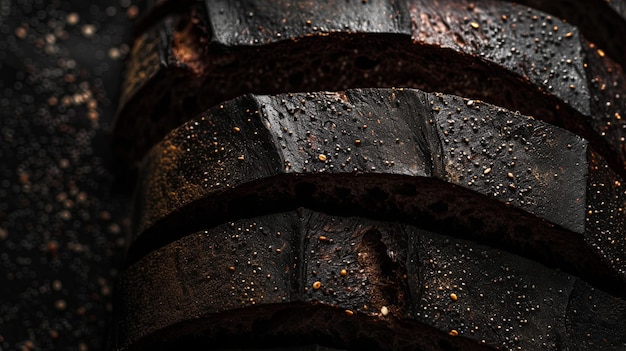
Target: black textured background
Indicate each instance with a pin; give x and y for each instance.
(61, 214)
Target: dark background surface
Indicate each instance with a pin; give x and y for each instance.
(61, 215)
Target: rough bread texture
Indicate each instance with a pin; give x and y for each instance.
(303, 276)
(380, 174)
(436, 160)
(502, 53)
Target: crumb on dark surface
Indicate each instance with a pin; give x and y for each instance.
(61, 217)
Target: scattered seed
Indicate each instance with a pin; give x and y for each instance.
(569, 34)
(88, 30)
(323, 238)
(231, 268)
(357, 142)
(241, 158)
(600, 53)
(20, 32)
(322, 157)
(56, 285)
(132, 11)
(53, 248)
(487, 170)
(343, 273)
(454, 297)
(349, 312)
(317, 285)
(60, 305)
(475, 25)
(510, 175)
(237, 129)
(73, 18)
(114, 53)
(453, 332)
(384, 310)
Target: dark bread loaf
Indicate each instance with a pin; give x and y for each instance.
(289, 196)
